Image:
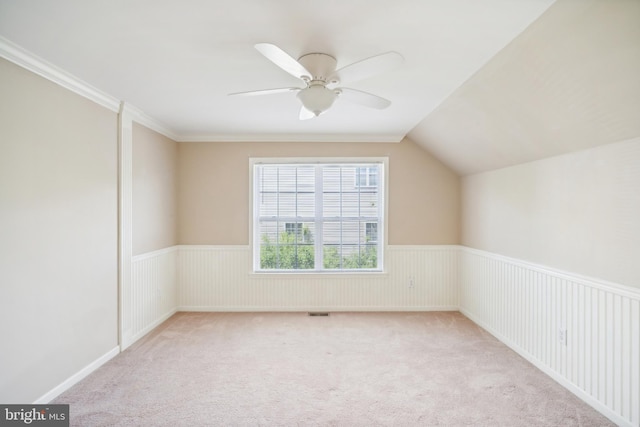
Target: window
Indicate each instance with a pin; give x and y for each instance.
(298, 230)
(312, 218)
(366, 176)
(372, 232)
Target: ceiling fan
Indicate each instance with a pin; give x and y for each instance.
(320, 77)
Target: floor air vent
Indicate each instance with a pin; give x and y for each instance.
(318, 314)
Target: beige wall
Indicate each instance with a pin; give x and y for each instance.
(578, 212)
(155, 162)
(214, 194)
(58, 234)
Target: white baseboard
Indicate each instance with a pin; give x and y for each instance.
(523, 305)
(530, 308)
(249, 309)
(128, 341)
(213, 278)
(150, 297)
(596, 404)
(77, 377)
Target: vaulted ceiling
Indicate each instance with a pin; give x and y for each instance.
(569, 82)
(484, 84)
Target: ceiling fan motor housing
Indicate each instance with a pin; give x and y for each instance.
(321, 65)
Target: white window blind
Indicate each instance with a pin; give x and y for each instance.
(318, 217)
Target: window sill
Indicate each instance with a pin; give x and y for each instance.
(318, 275)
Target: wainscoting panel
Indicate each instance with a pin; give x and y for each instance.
(583, 333)
(219, 278)
(152, 296)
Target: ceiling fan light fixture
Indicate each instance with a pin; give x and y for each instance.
(318, 70)
(317, 98)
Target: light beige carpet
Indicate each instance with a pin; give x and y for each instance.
(348, 369)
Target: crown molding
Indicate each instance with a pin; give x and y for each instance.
(25, 59)
(287, 137)
(140, 117)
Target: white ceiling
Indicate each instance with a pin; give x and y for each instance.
(177, 60)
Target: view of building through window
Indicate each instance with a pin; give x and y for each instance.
(318, 217)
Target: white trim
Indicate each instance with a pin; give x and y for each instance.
(332, 309)
(155, 253)
(596, 404)
(497, 275)
(218, 280)
(125, 218)
(129, 341)
(214, 248)
(25, 59)
(293, 137)
(152, 296)
(279, 275)
(320, 162)
(403, 248)
(383, 198)
(318, 255)
(29, 61)
(592, 282)
(77, 377)
(140, 117)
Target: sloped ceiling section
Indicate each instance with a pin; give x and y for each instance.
(570, 81)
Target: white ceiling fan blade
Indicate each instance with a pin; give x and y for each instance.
(367, 67)
(306, 114)
(266, 91)
(283, 60)
(363, 98)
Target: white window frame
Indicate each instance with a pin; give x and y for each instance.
(367, 175)
(382, 224)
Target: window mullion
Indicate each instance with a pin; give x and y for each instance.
(381, 221)
(257, 182)
(341, 252)
(318, 245)
(295, 227)
(360, 220)
(278, 216)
